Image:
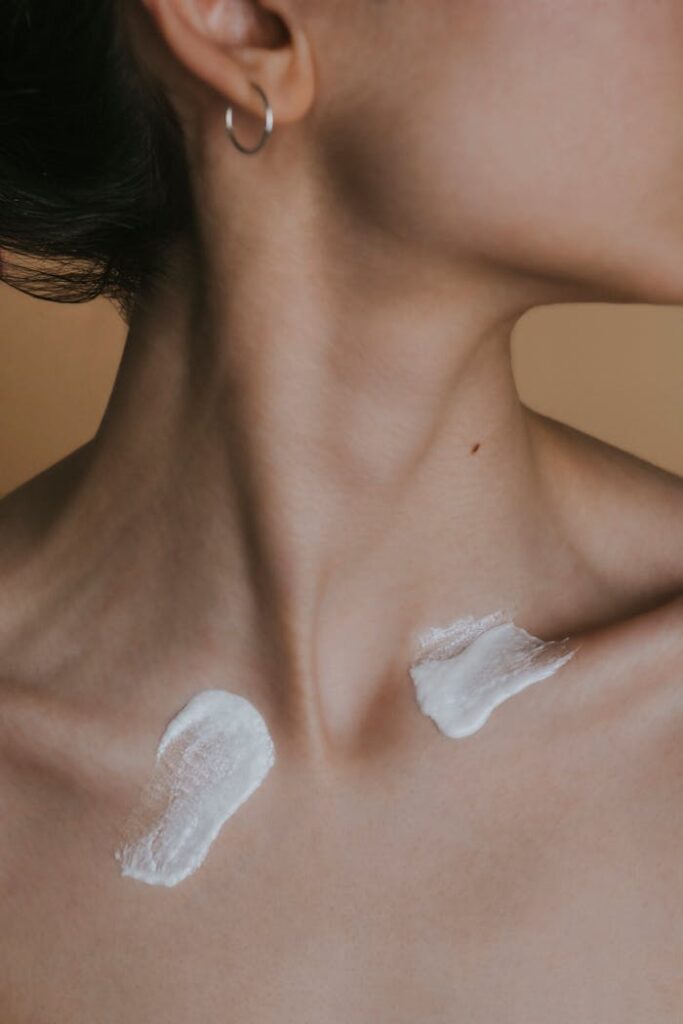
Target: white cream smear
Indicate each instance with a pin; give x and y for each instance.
(214, 754)
(465, 670)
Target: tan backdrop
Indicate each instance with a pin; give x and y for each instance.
(613, 371)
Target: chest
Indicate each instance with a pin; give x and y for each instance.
(509, 900)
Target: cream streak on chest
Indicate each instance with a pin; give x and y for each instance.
(214, 754)
(464, 671)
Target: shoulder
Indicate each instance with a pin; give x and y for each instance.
(47, 717)
(647, 653)
(30, 584)
(60, 756)
(28, 511)
(613, 720)
(624, 698)
(623, 514)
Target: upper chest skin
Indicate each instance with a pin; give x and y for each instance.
(530, 873)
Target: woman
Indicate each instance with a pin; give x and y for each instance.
(315, 452)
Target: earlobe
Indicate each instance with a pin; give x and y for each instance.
(287, 73)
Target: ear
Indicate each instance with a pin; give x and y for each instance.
(227, 44)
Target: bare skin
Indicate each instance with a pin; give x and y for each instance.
(314, 450)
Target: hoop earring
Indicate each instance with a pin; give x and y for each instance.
(267, 127)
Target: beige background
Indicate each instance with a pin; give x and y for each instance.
(613, 371)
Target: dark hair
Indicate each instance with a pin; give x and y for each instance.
(93, 176)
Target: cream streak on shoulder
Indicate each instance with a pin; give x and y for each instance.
(214, 754)
(465, 670)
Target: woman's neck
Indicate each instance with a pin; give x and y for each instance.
(312, 451)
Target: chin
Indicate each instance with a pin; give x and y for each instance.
(647, 276)
(654, 273)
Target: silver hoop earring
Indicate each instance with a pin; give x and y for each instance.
(267, 127)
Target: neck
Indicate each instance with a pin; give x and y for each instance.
(301, 469)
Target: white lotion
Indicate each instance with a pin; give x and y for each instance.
(211, 758)
(465, 670)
